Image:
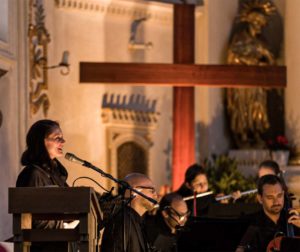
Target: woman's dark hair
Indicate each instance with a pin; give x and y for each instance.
(36, 152)
(192, 172)
(270, 164)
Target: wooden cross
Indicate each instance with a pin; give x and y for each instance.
(183, 74)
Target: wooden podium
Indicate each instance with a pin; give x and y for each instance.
(55, 203)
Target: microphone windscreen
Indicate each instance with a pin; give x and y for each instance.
(69, 156)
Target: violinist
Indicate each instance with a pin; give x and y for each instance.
(273, 220)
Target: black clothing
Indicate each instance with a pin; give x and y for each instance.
(159, 234)
(262, 231)
(202, 203)
(135, 238)
(43, 175)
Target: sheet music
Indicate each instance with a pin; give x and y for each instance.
(71, 225)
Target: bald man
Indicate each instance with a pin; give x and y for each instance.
(130, 238)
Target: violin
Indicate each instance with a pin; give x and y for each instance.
(219, 198)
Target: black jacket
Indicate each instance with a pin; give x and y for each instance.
(263, 230)
(40, 176)
(159, 234)
(135, 238)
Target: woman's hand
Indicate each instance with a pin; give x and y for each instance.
(294, 218)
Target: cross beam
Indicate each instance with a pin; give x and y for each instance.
(183, 75)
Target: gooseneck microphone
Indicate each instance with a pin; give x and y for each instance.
(71, 157)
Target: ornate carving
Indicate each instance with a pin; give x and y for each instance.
(117, 8)
(130, 122)
(38, 46)
(137, 111)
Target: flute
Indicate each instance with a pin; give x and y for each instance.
(230, 196)
(198, 195)
(220, 197)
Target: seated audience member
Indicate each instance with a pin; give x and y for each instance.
(272, 220)
(162, 228)
(125, 231)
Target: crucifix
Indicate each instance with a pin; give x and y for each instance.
(183, 75)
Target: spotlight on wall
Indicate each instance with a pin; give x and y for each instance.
(64, 63)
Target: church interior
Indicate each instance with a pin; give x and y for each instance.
(138, 112)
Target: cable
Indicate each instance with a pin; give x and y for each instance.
(83, 177)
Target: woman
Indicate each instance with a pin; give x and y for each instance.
(196, 182)
(45, 143)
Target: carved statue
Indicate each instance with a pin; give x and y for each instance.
(247, 107)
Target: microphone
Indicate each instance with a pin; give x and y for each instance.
(71, 157)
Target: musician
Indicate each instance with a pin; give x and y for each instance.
(131, 217)
(196, 182)
(272, 220)
(268, 167)
(162, 228)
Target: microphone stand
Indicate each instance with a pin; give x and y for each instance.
(125, 186)
(122, 183)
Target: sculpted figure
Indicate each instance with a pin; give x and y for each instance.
(247, 107)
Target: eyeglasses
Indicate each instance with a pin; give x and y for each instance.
(181, 217)
(56, 139)
(151, 188)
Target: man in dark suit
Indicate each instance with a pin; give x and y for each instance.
(125, 232)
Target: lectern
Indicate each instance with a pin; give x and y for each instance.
(55, 203)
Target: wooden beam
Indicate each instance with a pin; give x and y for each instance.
(183, 74)
(183, 153)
